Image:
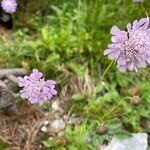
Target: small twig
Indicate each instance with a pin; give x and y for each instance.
(69, 113)
(13, 129)
(4, 140)
(27, 145)
(67, 118)
(32, 133)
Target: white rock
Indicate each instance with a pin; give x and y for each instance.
(44, 129)
(61, 133)
(65, 117)
(57, 125)
(50, 138)
(137, 142)
(45, 123)
(55, 106)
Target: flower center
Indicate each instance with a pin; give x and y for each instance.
(136, 45)
(8, 4)
(36, 88)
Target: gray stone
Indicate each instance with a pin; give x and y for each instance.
(139, 141)
(44, 129)
(7, 102)
(58, 125)
(145, 123)
(55, 106)
(61, 133)
(46, 122)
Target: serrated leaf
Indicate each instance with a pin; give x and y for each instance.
(127, 108)
(114, 124)
(47, 143)
(113, 94)
(122, 134)
(77, 69)
(77, 97)
(52, 57)
(45, 34)
(144, 112)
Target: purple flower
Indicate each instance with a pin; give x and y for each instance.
(138, 1)
(35, 88)
(130, 49)
(9, 6)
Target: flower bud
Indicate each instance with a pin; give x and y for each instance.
(135, 101)
(102, 129)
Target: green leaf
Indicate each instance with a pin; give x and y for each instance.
(68, 133)
(2, 145)
(111, 95)
(77, 97)
(114, 124)
(72, 147)
(122, 80)
(53, 57)
(122, 134)
(45, 34)
(127, 108)
(78, 69)
(144, 112)
(47, 143)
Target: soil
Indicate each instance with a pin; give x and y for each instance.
(20, 132)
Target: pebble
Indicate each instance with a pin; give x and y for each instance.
(44, 129)
(61, 133)
(50, 138)
(55, 106)
(65, 117)
(45, 123)
(58, 125)
(139, 141)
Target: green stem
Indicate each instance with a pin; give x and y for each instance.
(144, 10)
(113, 108)
(106, 70)
(13, 20)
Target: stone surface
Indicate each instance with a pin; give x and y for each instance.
(139, 141)
(61, 133)
(46, 122)
(44, 129)
(145, 123)
(58, 125)
(7, 102)
(55, 106)
(11, 85)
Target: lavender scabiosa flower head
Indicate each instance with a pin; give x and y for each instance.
(35, 88)
(138, 1)
(9, 6)
(130, 49)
